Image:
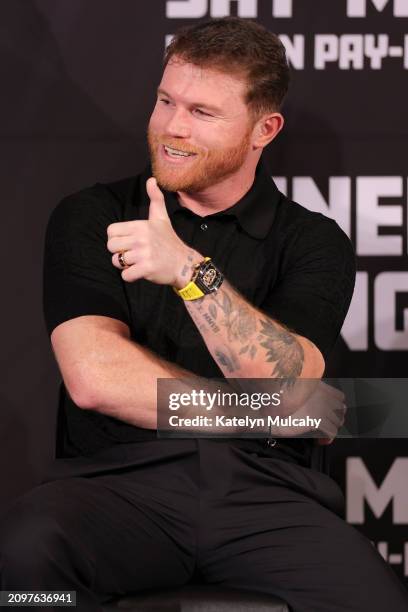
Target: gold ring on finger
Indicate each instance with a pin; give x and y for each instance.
(122, 261)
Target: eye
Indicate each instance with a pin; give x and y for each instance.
(202, 113)
(164, 100)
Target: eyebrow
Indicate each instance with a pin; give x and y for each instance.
(215, 109)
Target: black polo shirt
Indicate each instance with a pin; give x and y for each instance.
(295, 265)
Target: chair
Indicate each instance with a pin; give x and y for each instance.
(198, 598)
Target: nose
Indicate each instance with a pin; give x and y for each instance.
(177, 125)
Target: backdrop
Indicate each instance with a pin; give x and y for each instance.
(79, 79)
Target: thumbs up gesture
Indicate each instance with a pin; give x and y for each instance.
(150, 248)
(157, 208)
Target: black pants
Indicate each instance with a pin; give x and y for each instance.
(150, 514)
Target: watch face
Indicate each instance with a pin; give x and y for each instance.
(209, 277)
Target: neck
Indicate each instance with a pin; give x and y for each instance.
(220, 196)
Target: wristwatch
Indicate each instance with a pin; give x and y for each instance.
(206, 279)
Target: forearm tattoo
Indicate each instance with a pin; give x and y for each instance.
(249, 332)
(187, 267)
(283, 349)
(226, 358)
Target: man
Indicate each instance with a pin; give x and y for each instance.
(198, 266)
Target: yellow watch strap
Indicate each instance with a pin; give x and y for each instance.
(191, 291)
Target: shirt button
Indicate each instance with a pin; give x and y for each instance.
(271, 442)
(204, 227)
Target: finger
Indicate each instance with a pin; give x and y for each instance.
(130, 257)
(134, 272)
(328, 428)
(324, 441)
(157, 208)
(124, 243)
(336, 407)
(124, 228)
(343, 415)
(334, 418)
(337, 416)
(341, 411)
(331, 391)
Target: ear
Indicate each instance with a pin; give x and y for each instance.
(266, 129)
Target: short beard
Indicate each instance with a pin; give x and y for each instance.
(210, 168)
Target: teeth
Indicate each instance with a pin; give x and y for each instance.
(176, 152)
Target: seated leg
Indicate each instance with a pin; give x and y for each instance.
(271, 528)
(101, 537)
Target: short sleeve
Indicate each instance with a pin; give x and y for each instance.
(316, 285)
(78, 275)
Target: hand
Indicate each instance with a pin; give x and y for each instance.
(152, 249)
(335, 411)
(327, 403)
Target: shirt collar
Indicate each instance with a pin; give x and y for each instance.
(255, 211)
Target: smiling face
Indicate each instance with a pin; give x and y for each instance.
(200, 129)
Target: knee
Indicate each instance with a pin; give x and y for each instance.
(38, 543)
(28, 536)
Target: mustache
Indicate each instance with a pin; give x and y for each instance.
(174, 144)
(178, 146)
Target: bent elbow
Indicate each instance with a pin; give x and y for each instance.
(317, 364)
(82, 399)
(82, 391)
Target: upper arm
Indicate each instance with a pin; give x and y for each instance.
(81, 343)
(313, 295)
(83, 293)
(78, 275)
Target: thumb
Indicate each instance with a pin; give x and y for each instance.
(157, 208)
(323, 441)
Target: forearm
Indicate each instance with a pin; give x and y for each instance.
(122, 376)
(125, 387)
(119, 379)
(245, 343)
